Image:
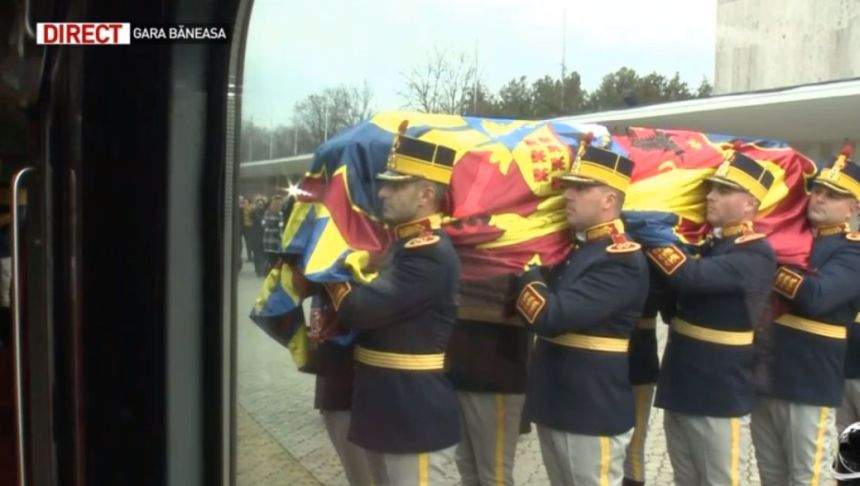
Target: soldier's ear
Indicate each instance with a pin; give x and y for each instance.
(426, 193)
(752, 204)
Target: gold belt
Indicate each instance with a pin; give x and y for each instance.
(399, 361)
(729, 338)
(812, 327)
(593, 343)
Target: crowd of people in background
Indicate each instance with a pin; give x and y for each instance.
(263, 219)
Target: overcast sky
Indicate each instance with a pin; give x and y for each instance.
(297, 48)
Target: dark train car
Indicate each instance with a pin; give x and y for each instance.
(117, 234)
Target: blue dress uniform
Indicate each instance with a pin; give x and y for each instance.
(404, 410)
(705, 381)
(402, 401)
(790, 424)
(578, 390)
(833, 290)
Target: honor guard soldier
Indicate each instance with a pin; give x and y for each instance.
(404, 410)
(644, 371)
(790, 424)
(705, 383)
(849, 412)
(487, 365)
(578, 389)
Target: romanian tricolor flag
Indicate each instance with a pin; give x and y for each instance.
(505, 208)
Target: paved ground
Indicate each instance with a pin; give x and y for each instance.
(282, 440)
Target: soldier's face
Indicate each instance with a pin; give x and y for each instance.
(584, 205)
(400, 201)
(726, 205)
(827, 206)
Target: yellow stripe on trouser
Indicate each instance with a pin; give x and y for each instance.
(424, 469)
(736, 451)
(812, 327)
(819, 446)
(398, 361)
(605, 460)
(593, 343)
(728, 338)
(500, 440)
(637, 441)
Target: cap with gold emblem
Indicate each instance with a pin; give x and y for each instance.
(843, 175)
(595, 165)
(742, 172)
(412, 158)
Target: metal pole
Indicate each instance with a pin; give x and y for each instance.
(16, 326)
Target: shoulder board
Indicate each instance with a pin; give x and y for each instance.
(748, 238)
(625, 247)
(421, 241)
(853, 236)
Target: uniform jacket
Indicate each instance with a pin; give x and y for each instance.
(808, 366)
(334, 377)
(590, 302)
(408, 312)
(707, 365)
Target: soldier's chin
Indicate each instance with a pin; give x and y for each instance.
(713, 220)
(814, 215)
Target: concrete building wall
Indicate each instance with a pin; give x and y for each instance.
(773, 43)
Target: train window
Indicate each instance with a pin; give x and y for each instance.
(331, 96)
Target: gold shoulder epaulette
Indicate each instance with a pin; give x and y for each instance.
(853, 236)
(624, 247)
(750, 237)
(421, 241)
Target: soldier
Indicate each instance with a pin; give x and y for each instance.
(812, 337)
(404, 410)
(790, 423)
(849, 412)
(487, 365)
(705, 383)
(578, 392)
